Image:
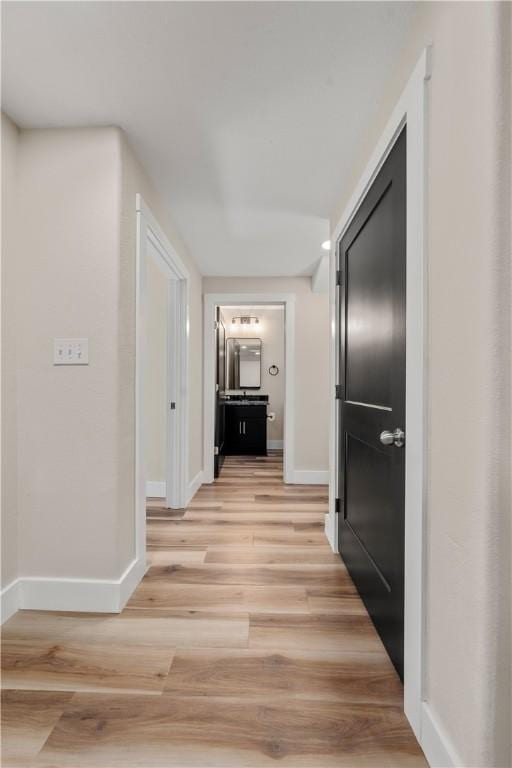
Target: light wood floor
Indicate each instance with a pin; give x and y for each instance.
(246, 644)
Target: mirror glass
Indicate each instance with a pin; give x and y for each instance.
(243, 363)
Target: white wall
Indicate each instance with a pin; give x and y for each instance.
(66, 284)
(468, 505)
(70, 430)
(10, 139)
(271, 332)
(155, 373)
(311, 360)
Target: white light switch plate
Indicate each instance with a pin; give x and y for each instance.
(71, 351)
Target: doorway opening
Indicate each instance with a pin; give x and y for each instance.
(161, 366)
(249, 382)
(248, 378)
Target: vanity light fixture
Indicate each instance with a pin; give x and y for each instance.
(245, 320)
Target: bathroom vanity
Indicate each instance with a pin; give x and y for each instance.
(245, 420)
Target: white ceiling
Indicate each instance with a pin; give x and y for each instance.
(245, 114)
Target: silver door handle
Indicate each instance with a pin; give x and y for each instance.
(239, 427)
(244, 427)
(393, 438)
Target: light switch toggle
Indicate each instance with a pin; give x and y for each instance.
(71, 351)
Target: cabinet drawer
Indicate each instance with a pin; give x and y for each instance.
(249, 411)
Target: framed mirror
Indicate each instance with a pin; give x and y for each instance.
(243, 363)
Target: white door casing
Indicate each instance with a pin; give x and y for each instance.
(152, 243)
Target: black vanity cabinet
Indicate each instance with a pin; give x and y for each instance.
(246, 430)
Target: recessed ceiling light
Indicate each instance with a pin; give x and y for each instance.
(326, 245)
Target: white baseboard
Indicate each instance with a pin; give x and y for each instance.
(330, 532)
(274, 445)
(311, 477)
(435, 742)
(9, 600)
(87, 595)
(156, 489)
(130, 580)
(194, 486)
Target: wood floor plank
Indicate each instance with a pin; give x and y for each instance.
(292, 507)
(190, 537)
(216, 496)
(295, 537)
(272, 555)
(91, 652)
(194, 628)
(281, 575)
(255, 517)
(213, 597)
(28, 718)
(201, 503)
(347, 604)
(242, 482)
(249, 673)
(304, 498)
(194, 732)
(324, 632)
(163, 556)
(163, 513)
(229, 524)
(271, 493)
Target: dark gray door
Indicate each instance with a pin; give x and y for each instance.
(371, 321)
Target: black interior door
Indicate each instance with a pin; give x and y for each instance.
(371, 320)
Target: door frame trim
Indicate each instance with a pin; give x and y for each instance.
(149, 233)
(411, 110)
(213, 300)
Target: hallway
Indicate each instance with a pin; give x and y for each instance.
(245, 643)
(229, 230)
